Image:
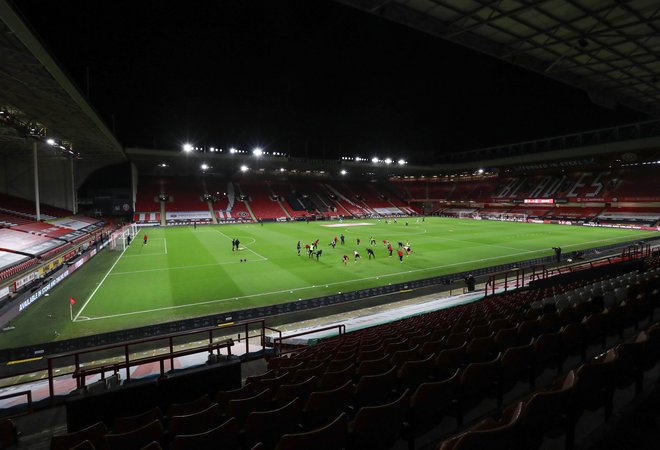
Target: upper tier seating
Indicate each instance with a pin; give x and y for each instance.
(261, 200)
(15, 206)
(149, 188)
(185, 194)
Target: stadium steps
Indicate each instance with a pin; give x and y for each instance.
(279, 202)
(214, 219)
(249, 209)
(163, 214)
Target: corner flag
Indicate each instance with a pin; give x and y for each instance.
(72, 301)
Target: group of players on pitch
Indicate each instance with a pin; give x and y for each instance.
(314, 251)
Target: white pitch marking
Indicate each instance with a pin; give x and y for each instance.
(165, 241)
(194, 266)
(426, 269)
(99, 285)
(298, 289)
(248, 249)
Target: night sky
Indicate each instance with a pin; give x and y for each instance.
(312, 77)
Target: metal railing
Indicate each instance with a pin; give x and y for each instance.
(279, 342)
(81, 364)
(517, 278)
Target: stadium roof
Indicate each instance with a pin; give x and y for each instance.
(33, 89)
(607, 48)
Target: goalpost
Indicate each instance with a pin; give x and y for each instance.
(505, 217)
(119, 240)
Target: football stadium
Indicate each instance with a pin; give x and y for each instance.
(274, 293)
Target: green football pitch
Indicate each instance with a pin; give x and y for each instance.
(184, 272)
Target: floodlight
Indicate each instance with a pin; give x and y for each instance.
(244, 168)
(232, 150)
(388, 160)
(50, 141)
(343, 172)
(257, 152)
(282, 169)
(402, 162)
(204, 166)
(374, 159)
(187, 147)
(480, 170)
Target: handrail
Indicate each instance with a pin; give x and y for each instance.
(559, 270)
(545, 272)
(79, 373)
(28, 394)
(280, 340)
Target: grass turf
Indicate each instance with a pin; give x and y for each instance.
(184, 272)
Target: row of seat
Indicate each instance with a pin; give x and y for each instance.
(556, 410)
(455, 344)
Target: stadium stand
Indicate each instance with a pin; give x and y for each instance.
(317, 196)
(8, 220)
(25, 208)
(147, 205)
(263, 200)
(573, 213)
(185, 194)
(635, 185)
(482, 363)
(630, 214)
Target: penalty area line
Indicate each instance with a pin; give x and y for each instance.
(97, 287)
(282, 291)
(337, 283)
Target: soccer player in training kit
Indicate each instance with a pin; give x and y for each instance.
(400, 253)
(370, 252)
(144, 242)
(345, 259)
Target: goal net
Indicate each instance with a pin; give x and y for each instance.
(507, 217)
(122, 238)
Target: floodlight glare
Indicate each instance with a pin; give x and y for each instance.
(401, 162)
(187, 147)
(232, 150)
(343, 172)
(374, 159)
(50, 141)
(244, 168)
(282, 169)
(388, 160)
(257, 152)
(481, 171)
(204, 166)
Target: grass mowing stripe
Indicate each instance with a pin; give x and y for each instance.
(200, 267)
(193, 266)
(263, 258)
(336, 283)
(100, 284)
